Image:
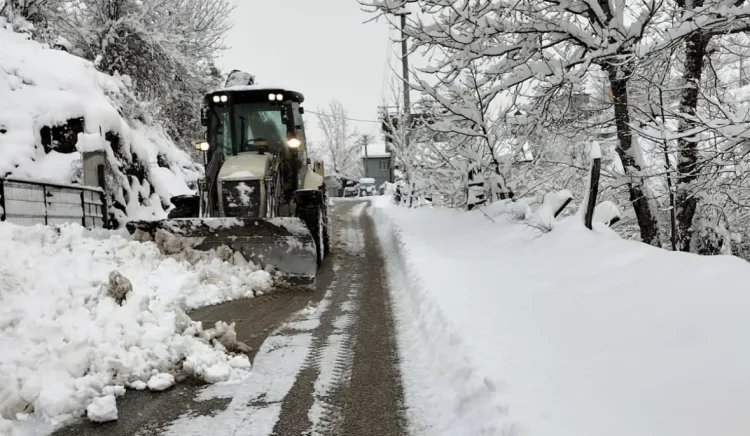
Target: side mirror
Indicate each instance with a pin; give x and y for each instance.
(204, 116)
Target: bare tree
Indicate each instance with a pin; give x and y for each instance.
(339, 144)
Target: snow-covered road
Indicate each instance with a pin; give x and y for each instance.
(435, 322)
(330, 368)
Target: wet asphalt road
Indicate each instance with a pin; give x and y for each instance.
(362, 392)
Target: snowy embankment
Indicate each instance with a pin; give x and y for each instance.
(84, 315)
(571, 333)
(55, 106)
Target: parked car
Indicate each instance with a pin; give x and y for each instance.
(351, 191)
(366, 186)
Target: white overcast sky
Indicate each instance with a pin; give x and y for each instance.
(321, 48)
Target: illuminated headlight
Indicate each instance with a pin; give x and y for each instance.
(224, 98)
(202, 146)
(279, 97)
(272, 97)
(216, 99)
(294, 143)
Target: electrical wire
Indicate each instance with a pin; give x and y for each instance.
(342, 118)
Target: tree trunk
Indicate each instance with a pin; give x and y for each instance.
(646, 219)
(687, 170)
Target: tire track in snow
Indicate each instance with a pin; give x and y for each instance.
(335, 369)
(310, 409)
(256, 401)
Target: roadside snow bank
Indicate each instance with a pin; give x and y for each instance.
(66, 341)
(570, 333)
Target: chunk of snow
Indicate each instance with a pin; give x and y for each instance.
(240, 362)
(89, 142)
(239, 175)
(138, 385)
(161, 382)
(217, 372)
(117, 391)
(595, 151)
(244, 193)
(102, 409)
(605, 212)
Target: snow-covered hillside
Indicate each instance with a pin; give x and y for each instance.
(67, 340)
(54, 105)
(568, 333)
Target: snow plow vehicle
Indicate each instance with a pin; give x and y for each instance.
(261, 196)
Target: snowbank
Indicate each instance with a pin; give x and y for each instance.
(506, 331)
(44, 88)
(67, 342)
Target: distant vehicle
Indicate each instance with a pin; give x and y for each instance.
(351, 189)
(366, 186)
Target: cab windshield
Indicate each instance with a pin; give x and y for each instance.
(243, 127)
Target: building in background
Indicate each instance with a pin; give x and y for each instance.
(377, 163)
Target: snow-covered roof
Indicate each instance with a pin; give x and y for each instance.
(377, 149)
(250, 88)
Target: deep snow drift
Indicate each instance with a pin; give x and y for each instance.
(68, 346)
(42, 87)
(571, 333)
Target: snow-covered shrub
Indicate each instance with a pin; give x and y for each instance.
(43, 92)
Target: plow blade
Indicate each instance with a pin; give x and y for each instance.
(281, 244)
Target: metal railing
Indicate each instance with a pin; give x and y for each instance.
(27, 202)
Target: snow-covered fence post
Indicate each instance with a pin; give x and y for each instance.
(593, 188)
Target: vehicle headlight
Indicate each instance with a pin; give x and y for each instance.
(294, 143)
(202, 146)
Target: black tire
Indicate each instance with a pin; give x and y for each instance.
(310, 210)
(327, 234)
(325, 213)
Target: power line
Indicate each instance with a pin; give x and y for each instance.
(342, 118)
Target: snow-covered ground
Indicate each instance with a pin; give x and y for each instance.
(505, 332)
(68, 346)
(44, 87)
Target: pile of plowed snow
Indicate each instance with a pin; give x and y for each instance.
(504, 330)
(85, 314)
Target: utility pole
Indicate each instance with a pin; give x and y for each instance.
(404, 60)
(407, 104)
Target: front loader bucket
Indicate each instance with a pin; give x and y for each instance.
(281, 244)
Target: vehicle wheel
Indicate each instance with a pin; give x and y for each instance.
(320, 242)
(310, 210)
(326, 231)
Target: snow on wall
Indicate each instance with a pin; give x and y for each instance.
(42, 87)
